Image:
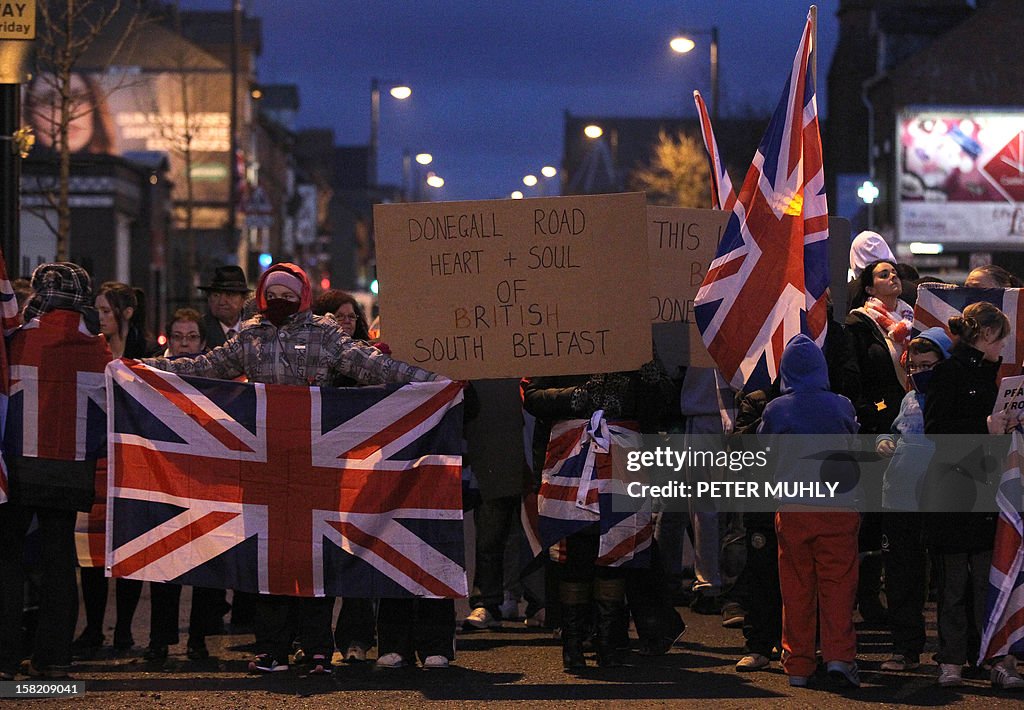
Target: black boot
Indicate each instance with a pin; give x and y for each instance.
(609, 595)
(575, 612)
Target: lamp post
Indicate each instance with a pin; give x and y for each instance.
(411, 180)
(681, 44)
(397, 91)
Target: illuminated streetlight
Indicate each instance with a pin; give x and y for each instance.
(530, 180)
(517, 195)
(548, 171)
(398, 91)
(435, 180)
(593, 131)
(682, 44)
(424, 158)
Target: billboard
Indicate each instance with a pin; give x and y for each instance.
(120, 112)
(961, 176)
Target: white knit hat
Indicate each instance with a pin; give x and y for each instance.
(868, 247)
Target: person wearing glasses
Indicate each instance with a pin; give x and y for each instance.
(903, 527)
(186, 336)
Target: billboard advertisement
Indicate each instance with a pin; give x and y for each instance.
(123, 112)
(961, 176)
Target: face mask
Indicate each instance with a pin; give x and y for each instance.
(278, 310)
(921, 380)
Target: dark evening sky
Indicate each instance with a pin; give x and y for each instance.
(491, 80)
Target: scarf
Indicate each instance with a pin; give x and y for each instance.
(895, 326)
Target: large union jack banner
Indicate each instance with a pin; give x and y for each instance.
(580, 488)
(768, 280)
(937, 303)
(285, 490)
(1004, 625)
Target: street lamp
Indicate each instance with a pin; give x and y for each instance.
(398, 91)
(681, 44)
(411, 180)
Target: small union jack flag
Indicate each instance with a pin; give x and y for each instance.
(768, 280)
(937, 303)
(723, 197)
(579, 489)
(285, 490)
(1004, 625)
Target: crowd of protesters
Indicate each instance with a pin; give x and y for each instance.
(793, 580)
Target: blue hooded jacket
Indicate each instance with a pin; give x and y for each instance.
(807, 407)
(904, 476)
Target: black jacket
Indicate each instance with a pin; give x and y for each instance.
(961, 395)
(870, 378)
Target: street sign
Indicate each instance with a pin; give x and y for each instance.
(17, 19)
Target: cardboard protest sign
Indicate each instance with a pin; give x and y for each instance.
(508, 288)
(681, 243)
(1011, 395)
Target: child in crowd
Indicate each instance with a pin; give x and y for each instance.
(903, 525)
(817, 542)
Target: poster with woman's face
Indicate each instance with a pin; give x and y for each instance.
(122, 112)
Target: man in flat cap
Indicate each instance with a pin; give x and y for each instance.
(225, 296)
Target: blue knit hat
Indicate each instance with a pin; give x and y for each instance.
(938, 336)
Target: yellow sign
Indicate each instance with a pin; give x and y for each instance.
(17, 19)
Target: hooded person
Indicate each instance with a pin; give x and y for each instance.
(284, 343)
(817, 538)
(283, 303)
(867, 247)
(56, 359)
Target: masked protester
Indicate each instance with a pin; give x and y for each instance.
(903, 547)
(284, 343)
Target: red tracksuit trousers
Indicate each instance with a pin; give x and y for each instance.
(818, 577)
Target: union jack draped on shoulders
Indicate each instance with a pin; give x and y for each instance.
(579, 489)
(768, 280)
(1004, 615)
(937, 303)
(285, 490)
(57, 406)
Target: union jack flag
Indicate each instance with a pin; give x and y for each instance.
(768, 280)
(579, 488)
(723, 197)
(1004, 625)
(285, 490)
(42, 423)
(937, 303)
(91, 527)
(10, 319)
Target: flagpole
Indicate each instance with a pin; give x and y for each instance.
(813, 14)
